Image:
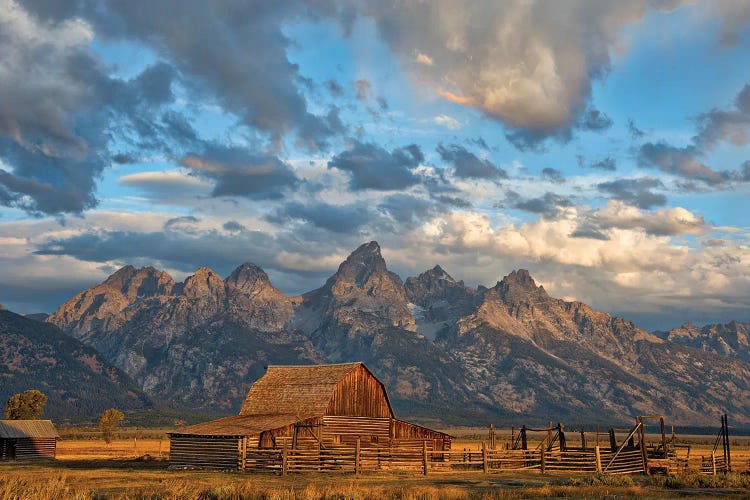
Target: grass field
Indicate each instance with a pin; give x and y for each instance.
(137, 468)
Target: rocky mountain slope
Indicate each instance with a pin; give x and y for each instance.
(443, 349)
(199, 343)
(730, 340)
(76, 379)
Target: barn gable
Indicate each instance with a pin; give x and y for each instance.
(316, 390)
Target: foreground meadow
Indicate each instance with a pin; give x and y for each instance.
(137, 468)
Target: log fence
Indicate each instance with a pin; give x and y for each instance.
(357, 460)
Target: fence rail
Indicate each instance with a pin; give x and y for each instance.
(355, 460)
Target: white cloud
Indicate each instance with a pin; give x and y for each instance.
(424, 59)
(447, 121)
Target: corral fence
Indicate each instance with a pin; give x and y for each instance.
(357, 460)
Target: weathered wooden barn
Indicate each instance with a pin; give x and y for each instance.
(27, 439)
(319, 407)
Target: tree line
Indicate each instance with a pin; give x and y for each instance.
(29, 405)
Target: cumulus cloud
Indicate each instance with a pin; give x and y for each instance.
(518, 62)
(373, 167)
(466, 165)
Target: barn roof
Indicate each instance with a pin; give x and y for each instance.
(14, 429)
(238, 425)
(303, 391)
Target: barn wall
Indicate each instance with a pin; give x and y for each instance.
(359, 394)
(207, 452)
(405, 434)
(31, 448)
(344, 431)
(275, 438)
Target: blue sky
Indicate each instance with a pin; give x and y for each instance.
(604, 146)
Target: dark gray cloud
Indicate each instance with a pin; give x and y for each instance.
(678, 161)
(609, 164)
(233, 226)
(61, 108)
(334, 218)
(712, 128)
(549, 205)
(554, 175)
(589, 231)
(635, 132)
(261, 87)
(467, 165)
(373, 167)
(239, 171)
(364, 89)
(637, 192)
(595, 120)
(407, 210)
(335, 88)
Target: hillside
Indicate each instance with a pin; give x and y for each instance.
(77, 380)
(731, 340)
(444, 350)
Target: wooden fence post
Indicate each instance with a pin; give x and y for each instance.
(284, 459)
(424, 457)
(542, 460)
(356, 458)
(713, 463)
(598, 454)
(485, 463)
(244, 452)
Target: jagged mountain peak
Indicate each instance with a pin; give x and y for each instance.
(247, 277)
(439, 273)
(144, 282)
(519, 285)
(361, 264)
(204, 282)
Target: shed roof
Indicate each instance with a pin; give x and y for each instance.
(14, 429)
(238, 425)
(303, 391)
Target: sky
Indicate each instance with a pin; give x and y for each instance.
(602, 145)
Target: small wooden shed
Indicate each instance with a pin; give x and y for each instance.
(27, 439)
(304, 407)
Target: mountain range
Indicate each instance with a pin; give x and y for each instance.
(76, 379)
(509, 353)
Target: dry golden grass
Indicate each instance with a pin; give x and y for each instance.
(93, 469)
(89, 449)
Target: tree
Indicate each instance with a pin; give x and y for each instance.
(29, 405)
(108, 422)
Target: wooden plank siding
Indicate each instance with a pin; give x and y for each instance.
(343, 431)
(207, 452)
(359, 394)
(28, 448)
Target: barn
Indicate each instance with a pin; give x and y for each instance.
(317, 408)
(27, 439)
